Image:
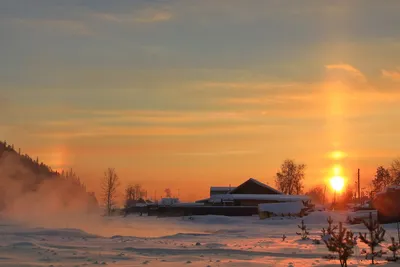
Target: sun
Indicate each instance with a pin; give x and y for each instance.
(337, 183)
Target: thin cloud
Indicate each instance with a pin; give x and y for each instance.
(348, 68)
(393, 75)
(70, 26)
(217, 153)
(149, 15)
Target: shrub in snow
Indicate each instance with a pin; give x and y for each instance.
(283, 238)
(376, 236)
(394, 247)
(341, 242)
(304, 231)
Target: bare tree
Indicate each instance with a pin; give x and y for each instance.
(130, 195)
(316, 194)
(382, 179)
(139, 191)
(168, 192)
(395, 171)
(290, 178)
(110, 185)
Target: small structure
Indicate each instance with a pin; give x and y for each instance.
(168, 201)
(218, 190)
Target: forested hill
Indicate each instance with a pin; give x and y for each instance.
(25, 182)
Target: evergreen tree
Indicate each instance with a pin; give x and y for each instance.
(341, 242)
(394, 247)
(376, 236)
(304, 231)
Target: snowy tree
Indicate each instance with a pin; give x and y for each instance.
(376, 236)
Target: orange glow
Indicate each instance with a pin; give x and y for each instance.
(337, 170)
(337, 154)
(337, 183)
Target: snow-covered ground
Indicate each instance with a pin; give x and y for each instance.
(214, 241)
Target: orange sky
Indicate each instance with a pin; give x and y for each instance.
(188, 94)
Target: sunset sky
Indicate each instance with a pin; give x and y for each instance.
(191, 93)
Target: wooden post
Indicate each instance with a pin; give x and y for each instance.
(359, 186)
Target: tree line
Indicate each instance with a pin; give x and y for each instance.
(133, 193)
(290, 180)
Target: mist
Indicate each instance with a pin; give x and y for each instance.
(39, 200)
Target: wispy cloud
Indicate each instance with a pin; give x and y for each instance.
(392, 74)
(148, 15)
(217, 153)
(348, 68)
(74, 27)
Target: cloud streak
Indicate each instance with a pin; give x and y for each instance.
(393, 75)
(347, 68)
(147, 15)
(74, 27)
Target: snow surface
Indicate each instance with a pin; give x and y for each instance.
(202, 241)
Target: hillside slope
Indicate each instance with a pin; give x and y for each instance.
(30, 187)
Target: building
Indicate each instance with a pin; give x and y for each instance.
(243, 200)
(251, 193)
(251, 186)
(387, 204)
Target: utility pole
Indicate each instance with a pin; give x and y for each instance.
(323, 201)
(359, 186)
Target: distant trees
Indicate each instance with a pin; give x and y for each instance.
(289, 179)
(134, 193)
(316, 194)
(139, 191)
(382, 179)
(348, 195)
(129, 195)
(73, 178)
(168, 192)
(110, 184)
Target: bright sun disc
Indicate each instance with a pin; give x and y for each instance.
(337, 183)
